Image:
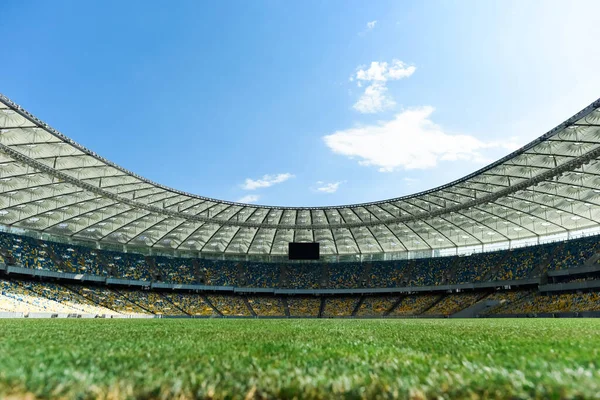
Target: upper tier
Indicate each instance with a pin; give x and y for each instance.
(51, 184)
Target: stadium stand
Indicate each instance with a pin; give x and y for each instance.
(453, 303)
(304, 306)
(28, 296)
(191, 304)
(522, 263)
(376, 306)
(31, 297)
(230, 305)
(340, 306)
(267, 306)
(64, 296)
(152, 302)
(108, 298)
(564, 302)
(414, 305)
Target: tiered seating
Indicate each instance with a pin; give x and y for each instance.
(66, 297)
(303, 276)
(230, 305)
(175, 270)
(564, 302)
(506, 299)
(453, 303)
(26, 252)
(304, 306)
(513, 265)
(267, 306)
(152, 302)
(574, 253)
(414, 305)
(261, 275)
(375, 306)
(108, 299)
(17, 298)
(67, 258)
(432, 271)
(521, 262)
(388, 274)
(476, 267)
(340, 306)
(191, 304)
(128, 266)
(345, 275)
(220, 273)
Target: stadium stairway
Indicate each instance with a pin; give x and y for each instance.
(199, 272)
(542, 267)
(252, 312)
(358, 304)
(53, 256)
(365, 278)
(154, 271)
(408, 272)
(105, 264)
(215, 309)
(286, 308)
(394, 306)
(493, 272)
(325, 274)
(423, 311)
(451, 275)
(168, 300)
(283, 276)
(476, 309)
(322, 307)
(592, 260)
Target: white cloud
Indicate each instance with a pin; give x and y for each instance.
(375, 98)
(409, 141)
(382, 71)
(328, 187)
(250, 198)
(265, 181)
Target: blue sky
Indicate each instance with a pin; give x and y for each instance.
(301, 103)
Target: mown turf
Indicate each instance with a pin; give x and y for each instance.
(300, 358)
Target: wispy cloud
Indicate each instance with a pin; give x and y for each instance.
(250, 198)
(328, 187)
(266, 181)
(369, 27)
(375, 98)
(409, 141)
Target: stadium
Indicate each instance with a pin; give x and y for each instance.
(297, 200)
(85, 237)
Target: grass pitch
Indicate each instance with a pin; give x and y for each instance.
(479, 358)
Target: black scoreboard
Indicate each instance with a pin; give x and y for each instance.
(303, 251)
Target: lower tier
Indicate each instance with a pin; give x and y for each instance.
(41, 298)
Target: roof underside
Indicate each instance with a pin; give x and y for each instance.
(49, 183)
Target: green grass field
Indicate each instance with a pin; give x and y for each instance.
(530, 358)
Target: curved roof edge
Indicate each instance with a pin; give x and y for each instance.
(594, 105)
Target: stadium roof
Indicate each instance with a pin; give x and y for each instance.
(50, 184)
